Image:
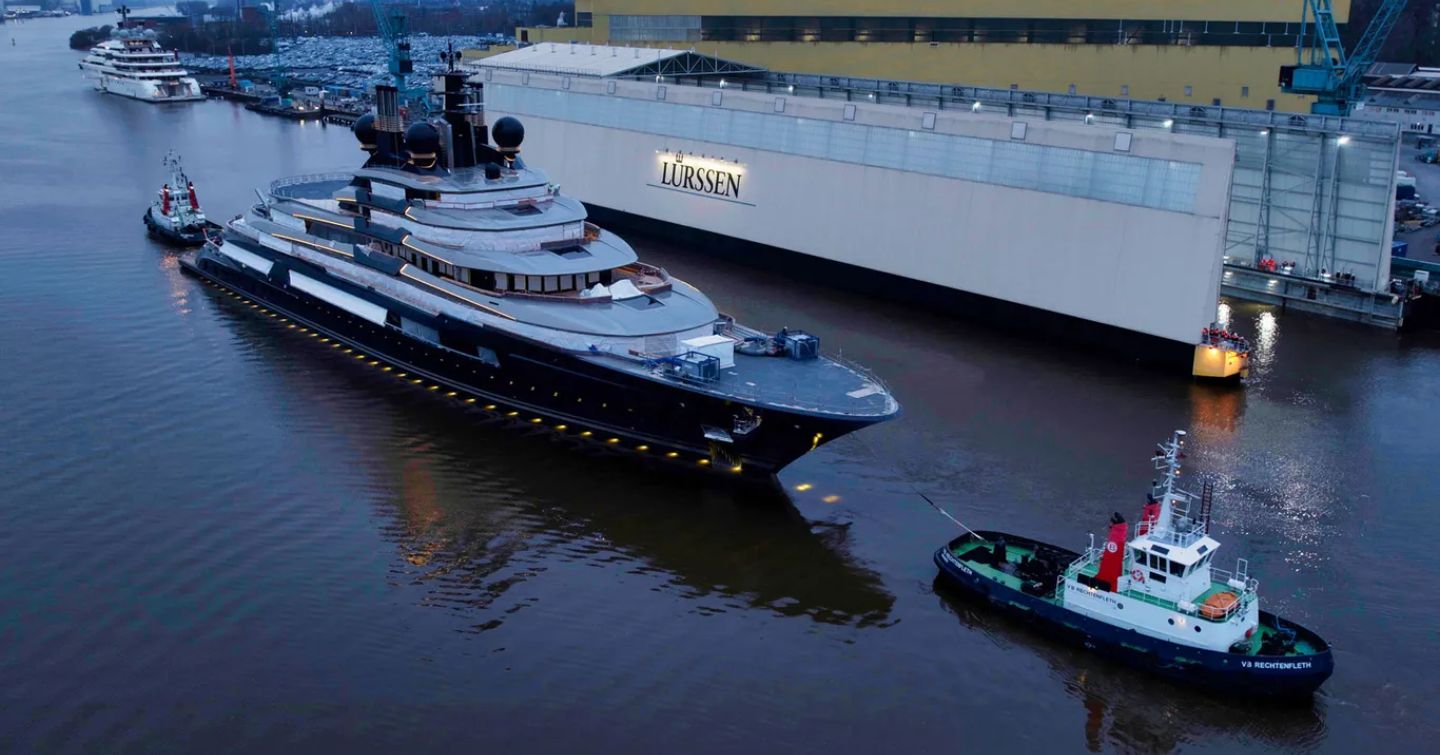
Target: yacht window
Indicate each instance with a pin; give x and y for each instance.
(551, 283)
(532, 283)
(464, 275)
(1177, 568)
(567, 282)
(502, 281)
(591, 278)
(519, 283)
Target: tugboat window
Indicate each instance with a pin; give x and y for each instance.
(1177, 569)
(1156, 576)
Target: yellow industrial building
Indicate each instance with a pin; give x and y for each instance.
(1206, 52)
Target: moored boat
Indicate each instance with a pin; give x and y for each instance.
(133, 64)
(175, 215)
(1154, 601)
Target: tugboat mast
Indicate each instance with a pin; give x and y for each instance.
(1168, 461)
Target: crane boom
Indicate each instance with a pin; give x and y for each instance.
(1323, 68)
(390, 23)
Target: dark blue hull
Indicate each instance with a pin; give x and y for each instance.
(193, 235)
(1289, 676)
(539, 384)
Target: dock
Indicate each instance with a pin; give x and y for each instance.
(1318, 295)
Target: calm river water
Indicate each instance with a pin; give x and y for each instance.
(218, 536)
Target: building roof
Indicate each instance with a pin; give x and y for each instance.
(607, 60)
(1390, 69)
(1407, 83)
(1407, 100)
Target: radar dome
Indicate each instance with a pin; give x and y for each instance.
(365, 130)
(508, 133)
(422, 139)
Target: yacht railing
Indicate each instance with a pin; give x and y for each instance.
(284, 183)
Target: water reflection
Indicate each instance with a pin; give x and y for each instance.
(480, 507)
(1132, 710)
(1215, 413)
(1267, 334)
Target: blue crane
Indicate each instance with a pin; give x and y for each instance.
(1322, 67)
(390, 22)
(278, 78)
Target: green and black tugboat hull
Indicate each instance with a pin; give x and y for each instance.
(1272, 676)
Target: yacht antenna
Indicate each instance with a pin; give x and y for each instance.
(263, 202)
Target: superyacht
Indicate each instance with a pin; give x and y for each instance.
(133, 64)
(451, 264)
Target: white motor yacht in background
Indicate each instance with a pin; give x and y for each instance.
(133, 64)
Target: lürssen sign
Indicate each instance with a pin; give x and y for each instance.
(702, 176)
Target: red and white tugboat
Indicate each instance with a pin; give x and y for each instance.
(1154, 601)
(175, 216)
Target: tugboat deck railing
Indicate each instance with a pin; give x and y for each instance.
(1220, 581)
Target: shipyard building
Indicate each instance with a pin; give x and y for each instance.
(1201, 52)
(1102, 216)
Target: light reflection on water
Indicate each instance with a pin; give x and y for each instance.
(1267, 335)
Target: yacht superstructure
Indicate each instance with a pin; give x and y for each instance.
(133, 64)
(454, 263)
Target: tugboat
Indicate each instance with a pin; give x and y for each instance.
(1154, 601)
(175, 216)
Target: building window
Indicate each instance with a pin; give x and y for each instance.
(1071, 90)
(1245, 91)
(1124, 90)
(1189, 91)
(654, 28)
(1269, 104)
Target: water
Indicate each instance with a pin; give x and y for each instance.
(217, 535)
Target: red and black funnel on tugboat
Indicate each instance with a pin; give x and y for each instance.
(1112, 559)
(194, 200)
